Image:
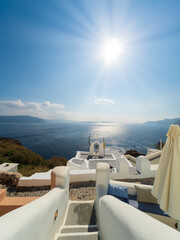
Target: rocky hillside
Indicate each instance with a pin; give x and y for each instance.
(29, 162)
(164, 122)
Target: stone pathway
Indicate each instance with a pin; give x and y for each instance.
(25, 191)
(78, 191)
(83, 193)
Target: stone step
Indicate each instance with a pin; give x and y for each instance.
(80, 222)
(78, 228)
(80, 213)
(79, 236)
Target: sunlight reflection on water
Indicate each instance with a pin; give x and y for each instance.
(64, 139)
(106, 130)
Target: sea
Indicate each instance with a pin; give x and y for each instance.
(64, 139)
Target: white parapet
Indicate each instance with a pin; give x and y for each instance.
(37, 179)
(42, 218)
(94, 162)
(59, 177)
(143, 169)
(82, 176)
(78, 164)
(119, 220)
(143, 165)
(102, 181)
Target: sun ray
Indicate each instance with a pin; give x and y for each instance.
(111, 50)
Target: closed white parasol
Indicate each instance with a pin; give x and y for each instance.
(167, 182)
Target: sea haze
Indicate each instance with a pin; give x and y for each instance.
(64, 139)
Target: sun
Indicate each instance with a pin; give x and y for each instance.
(111, 50)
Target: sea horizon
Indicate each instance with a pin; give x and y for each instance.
(65, 138)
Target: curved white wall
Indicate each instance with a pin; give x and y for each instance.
(119, 220)
(35, 221)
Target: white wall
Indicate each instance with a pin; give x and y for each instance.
(83, 173)
(102, 181)
(93, 163)
(36, 219)
(78, 164)
(120, 221)
(82, 176)
(73, 163)
(126, 171)
(143, 166)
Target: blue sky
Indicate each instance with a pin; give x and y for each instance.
(52, 66)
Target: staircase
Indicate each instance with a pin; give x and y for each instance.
(80, 222)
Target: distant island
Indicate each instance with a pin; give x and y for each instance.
(20, 119)
(165, 122)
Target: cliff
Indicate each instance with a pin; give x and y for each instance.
(11, 150)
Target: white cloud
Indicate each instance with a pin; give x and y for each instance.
(42, 109)
(52, 105)
(48, 110)
(104, 101)
(13, 104)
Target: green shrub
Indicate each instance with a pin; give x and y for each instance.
(28, 170)
(29, 162)
(56, 161)
(18, 158)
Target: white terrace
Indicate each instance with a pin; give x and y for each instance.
(83, 166)
(55, 217)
